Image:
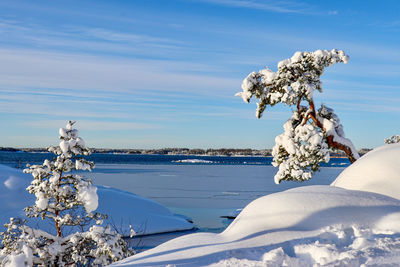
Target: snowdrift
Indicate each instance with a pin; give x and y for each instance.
(306, 226)
(377, 171)
(123, 208)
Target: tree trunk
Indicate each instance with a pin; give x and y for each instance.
(331, 143)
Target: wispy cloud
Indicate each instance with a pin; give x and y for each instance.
(107, 35)
(7, 25)
(29, 68)
(274, 6)
(393, 25)
(370, 108)
(91, 40)
(90, 125)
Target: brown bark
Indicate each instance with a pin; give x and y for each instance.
(342, 147)
(330, 141)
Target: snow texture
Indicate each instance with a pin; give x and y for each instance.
(306, 226)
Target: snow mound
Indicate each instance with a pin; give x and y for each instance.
(124, 209)
(306, 226)
(144, 215)
(15, 183)
(377, 171)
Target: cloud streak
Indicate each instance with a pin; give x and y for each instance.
(27, 68)
(273, 6)
(89, 125)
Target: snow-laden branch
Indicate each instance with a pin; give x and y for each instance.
(310, 133)
(392, 140)
(297, 77)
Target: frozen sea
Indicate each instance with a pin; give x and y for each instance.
(203, 188)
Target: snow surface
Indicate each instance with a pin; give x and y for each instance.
(377, 171)
(124, 209)
(305, 226)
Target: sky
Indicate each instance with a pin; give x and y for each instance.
(156, 73)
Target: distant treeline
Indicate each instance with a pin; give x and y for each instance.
(183, 151)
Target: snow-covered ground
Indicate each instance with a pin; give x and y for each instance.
(305, 226)
(123, 208)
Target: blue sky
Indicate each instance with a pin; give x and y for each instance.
(152, 74)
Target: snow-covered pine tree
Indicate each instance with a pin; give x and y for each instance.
(68, 201)
(310, 133)
(392, 140)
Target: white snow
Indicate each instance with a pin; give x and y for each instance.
(41, 200)
(88, 195)
(305, 226)
(19, 260)
(64, 145)
(79, 165)
(303, 146)
(367, 173)
(123, 208)
(63, 132)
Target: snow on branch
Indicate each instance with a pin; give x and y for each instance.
(299, 150)
(310, 133)
(392, 140)
(296, 78)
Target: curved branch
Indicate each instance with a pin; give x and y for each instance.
(351, 155)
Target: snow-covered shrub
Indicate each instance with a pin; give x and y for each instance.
(392, 140)
(68, 202)
(310, 133)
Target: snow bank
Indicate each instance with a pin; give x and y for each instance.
(298, 227)
(123, 208)
(377, 171)
(144, 215)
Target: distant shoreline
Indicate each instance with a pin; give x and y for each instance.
(230, 152)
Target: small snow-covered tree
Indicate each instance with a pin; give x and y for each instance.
(68, 201)
(392, 140)
(310, 133)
